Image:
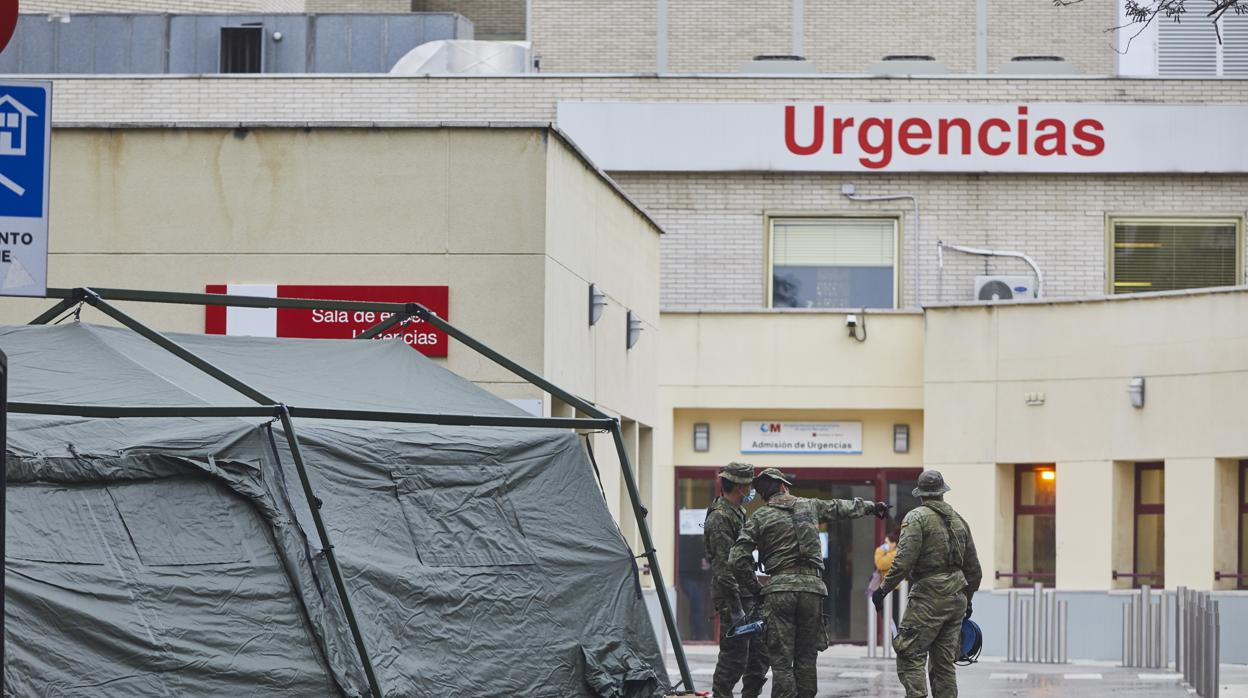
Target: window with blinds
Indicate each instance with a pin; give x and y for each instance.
(1161, 255)
(1190, 48)
(833, 262)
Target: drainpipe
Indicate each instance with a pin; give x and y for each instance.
(848, 190)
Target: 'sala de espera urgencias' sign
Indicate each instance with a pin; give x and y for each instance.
(908, 136)
(801, 437)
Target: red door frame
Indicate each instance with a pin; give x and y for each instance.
(880, 476)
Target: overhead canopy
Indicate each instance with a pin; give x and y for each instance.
(177, 556)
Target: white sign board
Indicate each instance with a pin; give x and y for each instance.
(25, 141)
(801, 437)
(908, 136)
(691, 521)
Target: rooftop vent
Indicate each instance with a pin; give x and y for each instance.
(1038, 65)
(465, 57)
(908, 65)
(777, 63)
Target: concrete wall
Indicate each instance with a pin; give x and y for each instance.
(176, 209)
(1193, 352)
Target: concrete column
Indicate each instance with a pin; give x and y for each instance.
(974, 497)
(1191, 522)
(1087, 524)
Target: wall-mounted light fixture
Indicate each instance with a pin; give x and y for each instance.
(1135, 388)
(597, 301)
(634, 329)
(701, 437)
(901, 438)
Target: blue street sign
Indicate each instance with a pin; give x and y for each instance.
(25, 142)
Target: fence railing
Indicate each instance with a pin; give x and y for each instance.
(1198, 641)
(1036, 626)
(874, 647)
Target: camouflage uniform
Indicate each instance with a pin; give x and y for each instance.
(936, 552)
(740, 656)
(786, 534)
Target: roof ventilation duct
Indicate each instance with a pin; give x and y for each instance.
(778, 63)
(463, 57)
(901, 65)
(1038, 65)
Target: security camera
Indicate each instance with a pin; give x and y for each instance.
(851, 321)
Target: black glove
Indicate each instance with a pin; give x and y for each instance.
(968, 610)
(881, 510)
(877, 598)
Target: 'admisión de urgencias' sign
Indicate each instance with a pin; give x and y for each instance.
(801, 437)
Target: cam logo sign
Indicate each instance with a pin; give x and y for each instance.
(25, 142)
(843, 438)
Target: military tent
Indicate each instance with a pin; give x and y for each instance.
(173, 551)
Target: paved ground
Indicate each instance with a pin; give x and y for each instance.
(845, 671)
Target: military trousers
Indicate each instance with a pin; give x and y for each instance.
(928, 642)
(795, 637)
(741, 659)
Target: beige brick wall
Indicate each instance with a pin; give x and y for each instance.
(714, 251)
(490, 18)
(157, 6)
(847, 36)
(716, 36)
(359, 5)
(295, 98)
(1035, 27)
(594, 36)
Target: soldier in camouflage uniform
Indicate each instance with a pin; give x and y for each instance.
(740, 656)
(786, 535)
(937, 554)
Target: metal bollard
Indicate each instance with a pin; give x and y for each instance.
(888, 627)
(1215, 629)
(872, 643)
(1126, 633)
(1062, 620)
(1011, 625)
(1164, 635)
(1179, 595)
(1037, 607)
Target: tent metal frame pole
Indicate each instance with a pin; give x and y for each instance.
(384, 325)
(314, 505)
(639, 512)
(177, 349)
(97, 295)
(111, 412)
(50, 314)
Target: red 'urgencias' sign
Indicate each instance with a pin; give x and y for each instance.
(331, 324)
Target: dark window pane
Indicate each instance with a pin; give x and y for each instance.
(832, 287)
(1173, 256)
(1150, 548)
(1035, 541)
(1152, 486)
(240, 49)
(1038, 487)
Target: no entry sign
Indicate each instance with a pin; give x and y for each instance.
(330, 324)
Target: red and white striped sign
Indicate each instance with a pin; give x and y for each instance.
(329, 324)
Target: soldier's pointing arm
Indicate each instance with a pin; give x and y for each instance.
(833, 509)
(741, 560)
(909, 545)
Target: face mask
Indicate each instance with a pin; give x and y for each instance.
(749, 497)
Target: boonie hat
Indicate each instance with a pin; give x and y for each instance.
(740, 473)
(775, 474)
(931, 484)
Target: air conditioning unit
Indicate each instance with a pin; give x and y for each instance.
(1004, 288)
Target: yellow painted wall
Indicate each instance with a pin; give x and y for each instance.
(1192, 350)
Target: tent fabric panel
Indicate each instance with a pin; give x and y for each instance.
(126, 628)
(484, 631)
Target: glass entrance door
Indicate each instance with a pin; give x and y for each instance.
(848, 546)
